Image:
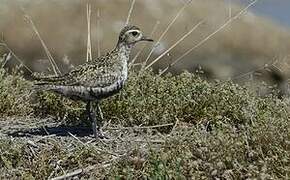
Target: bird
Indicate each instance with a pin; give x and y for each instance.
(98, 79)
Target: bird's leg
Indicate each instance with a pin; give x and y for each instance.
(87, 112)
(96, 117)
(92, 115)
(88, 108)
(99, 122)
(100, 113)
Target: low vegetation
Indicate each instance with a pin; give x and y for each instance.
(15, 93)
(211, 130)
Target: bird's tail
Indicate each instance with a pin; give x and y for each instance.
(40, 77)
(43, 83)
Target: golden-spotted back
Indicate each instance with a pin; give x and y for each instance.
(101, 77)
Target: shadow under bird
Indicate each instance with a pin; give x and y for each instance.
(97, 79)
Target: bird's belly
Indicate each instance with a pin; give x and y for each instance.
(101, 93)
(88, 93)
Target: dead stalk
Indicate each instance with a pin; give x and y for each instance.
(89, 43)
(230, 9)
(210, 35)
(271, 63)
(130, 11)
(174, 45)
(6, 58)
(98, 32)
(141, 127)
(167, 29)
(15, 56)
(141, 50)
(48, 54)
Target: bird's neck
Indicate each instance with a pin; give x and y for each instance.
(124, 49)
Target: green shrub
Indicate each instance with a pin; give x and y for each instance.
(19, 160)
(258, 151)
(148, 99)
(15, 95)
(48, 103)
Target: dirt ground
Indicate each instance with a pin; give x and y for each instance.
(121, 142)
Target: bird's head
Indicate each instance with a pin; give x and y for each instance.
(131, 35)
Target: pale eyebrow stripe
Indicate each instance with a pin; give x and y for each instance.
(133, 31)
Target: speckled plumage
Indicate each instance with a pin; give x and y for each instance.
(100, 78)
(97, 79)
(92, 80)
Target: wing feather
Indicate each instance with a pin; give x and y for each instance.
(90, 74)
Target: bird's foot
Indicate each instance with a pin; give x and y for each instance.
(98, 134)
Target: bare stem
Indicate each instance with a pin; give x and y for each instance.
(141, 127)
(15, 56)
(271, 63)
(98, 33)
(144, 46)
(210, 35)
(6, 58)
(89, 43)
(230, 9)
(48, 54)
(167, 29)
(130, 11)
(174, 45)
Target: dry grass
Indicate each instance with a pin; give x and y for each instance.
(228, 22)
(55, 68)
(89, 42)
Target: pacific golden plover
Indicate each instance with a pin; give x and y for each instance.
(97, 79)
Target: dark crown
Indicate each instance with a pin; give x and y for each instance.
(128, 28)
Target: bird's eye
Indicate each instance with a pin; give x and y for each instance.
(135, 33)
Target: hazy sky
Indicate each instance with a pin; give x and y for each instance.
(279, 10)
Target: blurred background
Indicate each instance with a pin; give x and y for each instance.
(257, 43)
(276, 10)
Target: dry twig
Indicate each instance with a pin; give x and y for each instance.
(48, 54)
(174, 45)
(75, 173)
(141, 50)
(98, 32)
(6, 57)
(141, 127)
(76, 138)
(15, 56)
(89, 42)
(230, 8)
(130, 11)
(167, 29)
(210, 35)
(249, 73)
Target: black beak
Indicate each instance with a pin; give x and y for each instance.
(144, 38)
